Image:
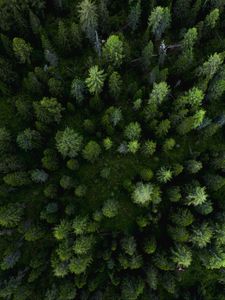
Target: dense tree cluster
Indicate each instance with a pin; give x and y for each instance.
(112, 169)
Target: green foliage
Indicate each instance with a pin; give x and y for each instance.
(48, 110)
(201, 235)
(110, 208)
(22, 50)
(68, 142)
(29, 139)
(11, 214)
(132, 131)
(182, 256)
(115, 84)
(88, 17)
(143, 194)
(95, 81)
(112, 149)
(91, 151)
(113, 50)
(159, 21)
(164, 175)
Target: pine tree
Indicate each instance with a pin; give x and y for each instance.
(142, 194)
(113, 51)
(88, 18)
(95, 81)
(29, 139)
(159, 21)
(48, 110)
(201, 235)
(11, 214)
(22, 50)
(91, 151)
(110, 208)
(68, 142)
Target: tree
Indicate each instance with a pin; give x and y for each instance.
(11, 214)
(129, 245)
(191, 122)
(134, 15)
(68, 142)
(212, 18)
(149, 148)
(143, 193)
(110, 208)
(194, 166)
(29, 139)
(132, 288)
(78, 90)
(132, 131)
(91, 151)
(159, 93)
(88, 18)
(115, 84)
(5, 140)
(83, 244)
(62, 230)
(39, 176)
(48, 110)
(147, 56)
(211, 66)
(79, 264)
(164, 175)
(201, 235)
(22, 50)
(182, 256)
(34, 22)
(17, 179)
(159, 21)
(95, 81)
(113, 51)
(80, 225)
(182, 217)
(55, 87)
(196, 195)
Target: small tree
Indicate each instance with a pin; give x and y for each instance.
(48, 110)
(39, 176)
(159, 21)
(115, 84)
(11, 214)
(95, 81)
(88, 18)
(68, 142)
(182, 256)
(201, 235)
(142, 194)
(91, 151)
(113, 50)
(22, 50)
(29, 139)
(164, 174)
(78, 90)
(110, 208)
(132, 131)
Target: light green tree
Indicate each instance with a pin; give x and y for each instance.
(95, 80)
(22, 50)
(113, 51)
(182, 256)
(159, 21)
(87, 10)
(68, 142)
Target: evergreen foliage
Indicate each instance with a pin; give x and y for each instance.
(112, 152)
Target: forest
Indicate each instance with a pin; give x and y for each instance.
(112, 149)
